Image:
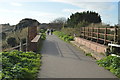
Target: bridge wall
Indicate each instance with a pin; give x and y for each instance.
(92, 45)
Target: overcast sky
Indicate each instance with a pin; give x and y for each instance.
(12, 11)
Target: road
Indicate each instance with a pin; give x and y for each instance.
(62, 60)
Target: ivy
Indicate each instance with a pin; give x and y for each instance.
(111, 63)
(18, 65)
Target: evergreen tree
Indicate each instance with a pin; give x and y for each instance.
(83, 17)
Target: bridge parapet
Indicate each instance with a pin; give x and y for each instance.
(92, 45)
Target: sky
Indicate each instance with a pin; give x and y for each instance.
(12, 11)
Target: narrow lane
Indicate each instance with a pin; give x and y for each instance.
(62, 60)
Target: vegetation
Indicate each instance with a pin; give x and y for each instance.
(27, 22)
(12, 41)
(42, 30)
(43, 36)
(60, 20)
(89, 54)
(18, 65)
(4, 35)
(18, 35)
(71, 31)
(19, 32)
(63, 36)
(82, 24)
(83, 18)
(111, 63)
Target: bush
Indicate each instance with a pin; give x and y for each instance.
(89, 54)
(43, 36)
(82, 24)
(24, 40)
(4, 36)
(11, 41)
(42, 30)
(111, 63)
(19, 65)
(63, 36)
(71, 31)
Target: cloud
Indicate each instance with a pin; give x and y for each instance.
(91, 6)
(73, 10)
(17, 15)
(103, 8)
(72, 1)
(24, 1)
(16, 4)
(82, 5)
(10, 11)
(65, 1)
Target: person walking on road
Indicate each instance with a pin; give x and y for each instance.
(48, 31)
(51, 31)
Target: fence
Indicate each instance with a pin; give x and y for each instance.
(103, 35)
(15, 48)
(25, 47)
(32, 40)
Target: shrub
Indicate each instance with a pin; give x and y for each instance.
(111, 63)
(71, 31)
(11, 41)
(43, 36)
(4, 36)
(24, 40)
(42, 30)
(63, 36)
(82, 24)
(19, 65)
(89, 54)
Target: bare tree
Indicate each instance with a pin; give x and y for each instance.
(60, 20)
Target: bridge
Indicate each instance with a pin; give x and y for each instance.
(63, 60)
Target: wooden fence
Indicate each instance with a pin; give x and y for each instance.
(32, 40)
(106, 35)
(15, 48)
(25, 47)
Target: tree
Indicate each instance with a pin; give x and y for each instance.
(88, 17)
(27, 22)
(57, 23)
(24, 23)
(60, 20)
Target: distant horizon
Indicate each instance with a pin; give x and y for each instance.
(46, 11)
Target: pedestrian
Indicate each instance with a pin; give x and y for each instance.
(51, 31)
(48, 31)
